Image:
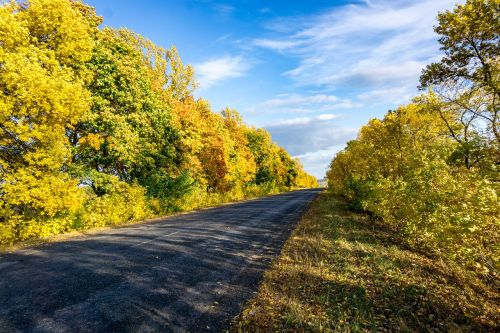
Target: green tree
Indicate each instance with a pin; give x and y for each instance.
(469, 73)
(128, 134)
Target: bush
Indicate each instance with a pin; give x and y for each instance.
(124, 203)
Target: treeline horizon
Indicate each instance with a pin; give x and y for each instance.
(430, 169)
(99, 126)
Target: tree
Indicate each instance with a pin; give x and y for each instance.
(44, 48)
(399, 170)
(99, 126)
(241, 161)
(469, 73)
(128, 134)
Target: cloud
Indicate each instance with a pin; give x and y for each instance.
(296, 103)
(372, 46)
(213, 71)
(317, 162)
(222, 38)
(396, 95)
(369, 54)
(303, 135)
(302, 120)
(316, 132)
(285, 100)
(277, 45)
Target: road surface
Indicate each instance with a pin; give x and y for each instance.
(185, 273)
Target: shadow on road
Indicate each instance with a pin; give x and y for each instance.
(186, 273)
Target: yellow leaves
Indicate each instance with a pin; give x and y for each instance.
(48, 195)
(127, 202)
(94, 124)
(55, 25)
(93, 140)
(399, 170)
(50, 99)
(13, 32)
(216, 146)
(303, 179)
(42, 97)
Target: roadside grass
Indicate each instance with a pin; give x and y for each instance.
(343, 272)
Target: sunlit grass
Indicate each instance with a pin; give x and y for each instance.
(343, 272)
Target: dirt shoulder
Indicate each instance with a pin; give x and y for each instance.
(344, 272)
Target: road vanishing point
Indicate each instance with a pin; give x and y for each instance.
(186, 273)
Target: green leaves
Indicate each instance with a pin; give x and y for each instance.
(98, 127)
(470, 38)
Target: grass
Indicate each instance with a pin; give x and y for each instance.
(344, 272)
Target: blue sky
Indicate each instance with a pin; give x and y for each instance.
(310, 72)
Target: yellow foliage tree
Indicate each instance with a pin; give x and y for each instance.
(44, 46)
(99, 126)
(399, 170)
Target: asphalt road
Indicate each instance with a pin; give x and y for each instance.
(186, 273)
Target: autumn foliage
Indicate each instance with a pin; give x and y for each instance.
(100, 126)
(430, 169)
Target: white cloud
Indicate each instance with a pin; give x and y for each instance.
(396, 95)
(276, 44)
(308, 134)
(374, 46)
(285, 100)
(327, 116)
(309, 138)
(368, 54)
(213, 71)
(317, 162)
(321, 154)
(295, 103)
(302, 120)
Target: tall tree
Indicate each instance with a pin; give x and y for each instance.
(44, 47)
(468, 76)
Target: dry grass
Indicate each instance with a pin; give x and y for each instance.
(343, 272)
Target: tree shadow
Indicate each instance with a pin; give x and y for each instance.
(188, 273)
